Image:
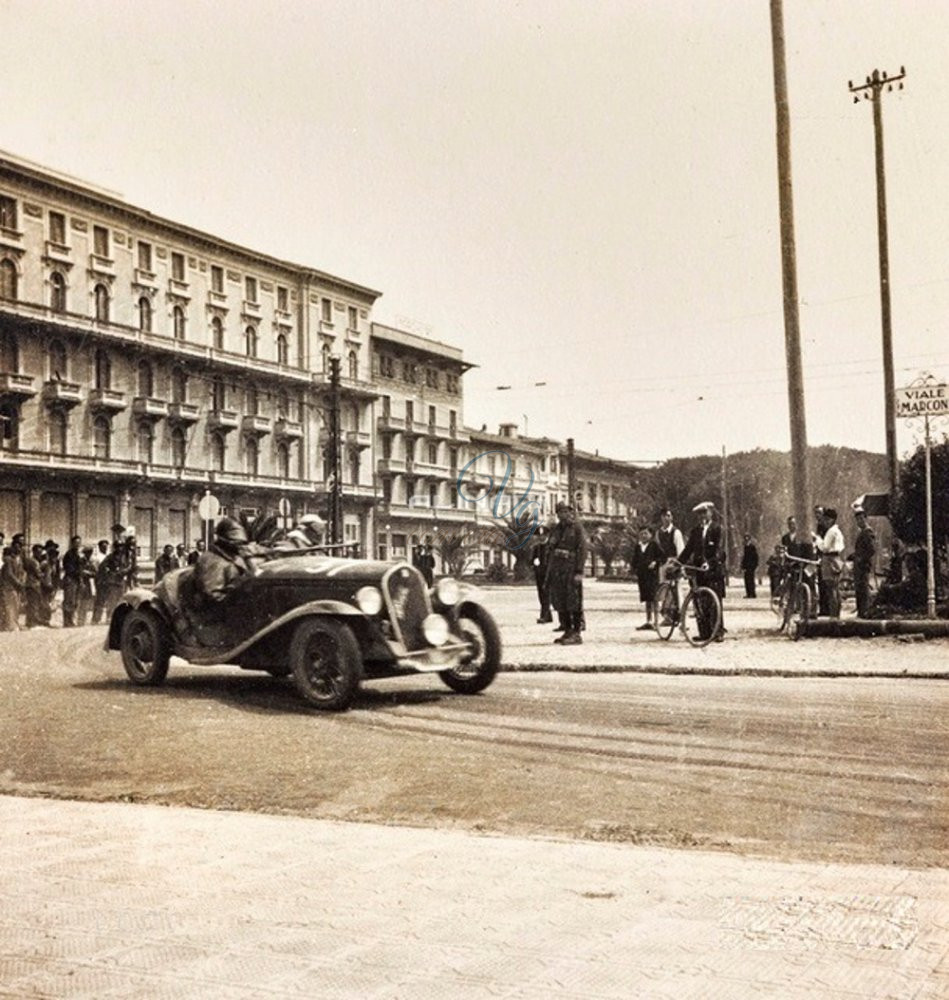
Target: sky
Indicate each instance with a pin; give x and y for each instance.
(581, 195)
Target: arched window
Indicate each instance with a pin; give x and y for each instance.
(251, 456)
(283, 460)
(325, 352)
(145, 314)
(353, 365)
(178, 322)
(57, 432)
(8, 280)
(58, 360)
(218, 451)
(102, 303)
(283, 404)
(146, 379)
(146, 442)
(179, 447)
(179, 385)
(217, 334)
(218, 395)
(9, 426)
(57, 292)
(250, 342)
(283, 350)
(103, 373)
(101, 437)
(252, 400)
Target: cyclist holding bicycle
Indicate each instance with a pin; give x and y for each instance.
(704, 548)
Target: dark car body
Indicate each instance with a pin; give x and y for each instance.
(322, 602)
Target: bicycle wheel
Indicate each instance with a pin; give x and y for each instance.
(800, 611)
(701, 616)
(787, 606)
(778, 599)
(667, 610)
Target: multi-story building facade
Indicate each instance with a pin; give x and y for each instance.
(144, 363)
(421, 440)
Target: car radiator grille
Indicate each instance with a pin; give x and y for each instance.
(407, 601)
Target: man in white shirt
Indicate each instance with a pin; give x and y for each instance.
(831, 548)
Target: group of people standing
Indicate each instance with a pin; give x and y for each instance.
(826, 547)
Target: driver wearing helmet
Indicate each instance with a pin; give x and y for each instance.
(307, 533)
(221, 568)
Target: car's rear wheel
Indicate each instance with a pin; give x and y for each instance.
(326, 663)
(479, 666)
(146, 647)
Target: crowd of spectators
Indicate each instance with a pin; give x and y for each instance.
(84, 583)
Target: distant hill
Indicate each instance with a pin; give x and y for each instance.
(759, 487)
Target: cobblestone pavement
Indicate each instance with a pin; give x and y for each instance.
(114, 900)
(752, 646)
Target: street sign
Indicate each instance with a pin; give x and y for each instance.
(923, 400)
(209, 507)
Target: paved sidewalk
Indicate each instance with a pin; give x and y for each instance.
(113, 900)
(752, 646)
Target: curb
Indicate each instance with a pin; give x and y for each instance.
(620, 668)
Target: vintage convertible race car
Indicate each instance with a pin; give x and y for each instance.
(328, 622)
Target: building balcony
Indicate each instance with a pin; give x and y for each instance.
(358, 439)
(145, 279)
(250, 310)
(107, 400)
(183, 413)
(16, 386)
(415, 428)
(223, 420)
(217, 299)
(432, 470)
(288, 430)
(62, 395)
(101, 265)
(390, 466)
(179, 289)
(387, 424)
(254, 425)
(58, 252)
(149, 408)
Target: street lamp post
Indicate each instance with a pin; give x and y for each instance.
(335, 448)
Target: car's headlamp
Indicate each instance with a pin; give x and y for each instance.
(369, 600)
(447, 591)
(435, 630)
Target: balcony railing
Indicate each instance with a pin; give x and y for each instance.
(223, 420)
(148, 408)
(390, 466)
(183, 413)
(16, 385)
(289, 430)
(110, 400)
(255, 425)
(387, 424)
(358, 439)
(64, 395)
(124, 335)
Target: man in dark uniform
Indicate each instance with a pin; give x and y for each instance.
(749, 565)
(567, 557)
(704, 548)
(540, 557)
(865, 548)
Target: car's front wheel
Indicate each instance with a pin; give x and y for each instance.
(146, 647)
(326, 663)
(480, 665)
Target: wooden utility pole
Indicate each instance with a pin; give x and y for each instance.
(792, 333)
(335, 457)
(872, 91)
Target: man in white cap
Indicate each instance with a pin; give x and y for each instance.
(704, 548)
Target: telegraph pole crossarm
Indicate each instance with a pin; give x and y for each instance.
(875, 84)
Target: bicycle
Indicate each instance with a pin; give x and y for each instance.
(698, 617)
(798, 597)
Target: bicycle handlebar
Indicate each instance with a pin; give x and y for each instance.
(808, 562)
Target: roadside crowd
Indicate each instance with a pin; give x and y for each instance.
(91, 579)
(559, 551)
